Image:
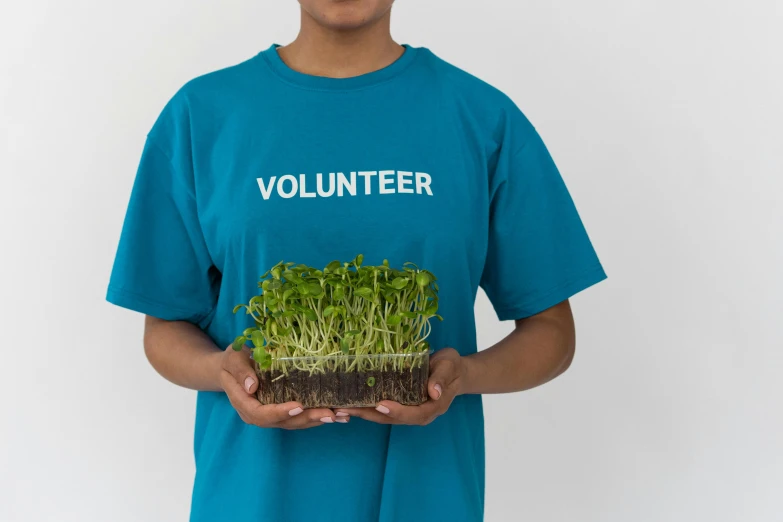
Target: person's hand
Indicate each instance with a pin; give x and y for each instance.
(238, 379)
(447, 371)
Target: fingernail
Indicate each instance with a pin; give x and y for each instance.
(248, 383)
(342, 414)
(327, 420)
(296, 411)
(343, 420)
(383, 409)
(439, 390)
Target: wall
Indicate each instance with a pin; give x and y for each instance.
(665, 118)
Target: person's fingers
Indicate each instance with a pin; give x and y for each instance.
(443, 372)
(310, 419)
(296, 424)
(415, 415)
(268, 415)
(368, 414)
(239, 365)
(252, 411)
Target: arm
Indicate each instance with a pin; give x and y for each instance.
(539, 349)
(183, 354)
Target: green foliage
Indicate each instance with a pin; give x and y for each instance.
(347, 308)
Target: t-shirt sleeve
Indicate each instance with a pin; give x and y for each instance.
(163, 267)
(538, 251)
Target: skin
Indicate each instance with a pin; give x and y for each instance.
(340, 39)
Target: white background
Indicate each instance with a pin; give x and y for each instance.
(665, 118)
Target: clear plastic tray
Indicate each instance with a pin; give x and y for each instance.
(342, 381)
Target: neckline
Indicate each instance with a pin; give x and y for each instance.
(278, 66)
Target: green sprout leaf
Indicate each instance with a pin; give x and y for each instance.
(291, 277)
(422, 279)
(239, 343)
(358, 261)
(364, 292)
(331, 267)
(393, 320)
(400, 282)
(263, 358)
(329, 310)
(258, 339)
(310, 314)
(344, 346)
(370, 381)
(238, 307)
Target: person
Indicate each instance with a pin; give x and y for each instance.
(430, 165)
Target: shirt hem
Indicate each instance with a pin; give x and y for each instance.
(554, 296)
(141, 304)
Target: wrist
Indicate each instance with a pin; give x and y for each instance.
(468, 375)
(214, 364)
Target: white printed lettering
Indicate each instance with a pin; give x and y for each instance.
(294, 186)
(376, 182)
(367, 175)
(423, 181)
(403, 180)
(383, 180)
(320, 185)
(266, 191)
(343, 183)
(303, 188)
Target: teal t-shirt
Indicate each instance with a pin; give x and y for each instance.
(418, 162)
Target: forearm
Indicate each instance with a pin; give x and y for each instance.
(182, 353)
(538, 350)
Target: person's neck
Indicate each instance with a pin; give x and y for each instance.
(320, 51)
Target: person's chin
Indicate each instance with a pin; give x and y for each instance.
(346, 15)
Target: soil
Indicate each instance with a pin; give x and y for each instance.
(344, 389)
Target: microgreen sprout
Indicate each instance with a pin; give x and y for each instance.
(307, 318)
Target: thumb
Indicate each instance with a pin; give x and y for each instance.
(441, 375)
(240, 366)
